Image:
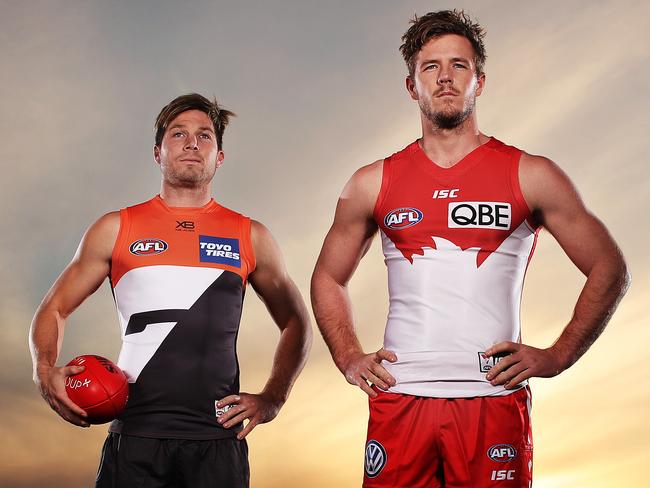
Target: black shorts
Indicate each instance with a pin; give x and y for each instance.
(141, 462)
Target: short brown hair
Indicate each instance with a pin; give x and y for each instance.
(193, 101)
(436, 24)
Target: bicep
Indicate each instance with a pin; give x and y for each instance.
(560, 209)
(353, 228)
(88, 268)
(270, 279)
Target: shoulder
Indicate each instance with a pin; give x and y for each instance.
(100, 237)
(364, 182)
(107, 225)
(543, 181)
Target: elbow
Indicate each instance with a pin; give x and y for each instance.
(626, 278)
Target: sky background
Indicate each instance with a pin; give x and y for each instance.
(318, 87)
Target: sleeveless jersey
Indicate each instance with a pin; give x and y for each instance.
(178, 277)
(456, 242)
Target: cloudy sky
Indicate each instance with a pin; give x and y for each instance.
(318, 87)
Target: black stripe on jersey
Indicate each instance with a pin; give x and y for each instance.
(139, 321)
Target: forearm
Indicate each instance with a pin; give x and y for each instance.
(333, 313)
(605, 286)
(46, 337)
(290, 356)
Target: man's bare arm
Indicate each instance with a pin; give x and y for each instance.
(586, 241)
(279, 293)
(346, 243)
(85, 273)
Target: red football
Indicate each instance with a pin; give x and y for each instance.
(101, 389)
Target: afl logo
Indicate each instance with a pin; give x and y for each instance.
(145, 247)
(401, 218)
(375, 459)
(502, 453)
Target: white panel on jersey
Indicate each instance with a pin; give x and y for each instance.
(444, 310)
(153, 288)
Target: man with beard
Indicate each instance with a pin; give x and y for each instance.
(459, 213)
(178, 265)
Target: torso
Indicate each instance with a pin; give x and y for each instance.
(178, 277)
(456, 242)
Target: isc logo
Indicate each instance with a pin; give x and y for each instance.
(503, 474)
(485, 215)
(145, 247)
(502, 453)
(446, 193)
(401, 218)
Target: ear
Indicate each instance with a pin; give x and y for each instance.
(480, 83)
(220, 157)
(410, 87)
(156, 154)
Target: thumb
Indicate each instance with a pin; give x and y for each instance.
(72, 370)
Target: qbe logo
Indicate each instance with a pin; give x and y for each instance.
(502, 453)
(146, 247)
(402, 218)
(220, 250)
(479, 215)
(375, 458)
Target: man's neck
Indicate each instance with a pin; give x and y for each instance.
(185, 197)
(446, 147)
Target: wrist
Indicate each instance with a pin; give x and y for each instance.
(275, 398)
(562, 357)
(345, 360)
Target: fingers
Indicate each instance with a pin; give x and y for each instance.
(386, 355)
(67, 414)
(229, 400)
(53, 390)
(502, 365)
(246, 430)
(242, 414)
(503, 347)
(506, 377)
(386, 379)
(367, 388)
(521, 377)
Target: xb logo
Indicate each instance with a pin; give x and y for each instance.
(184, 225)
(375, 459)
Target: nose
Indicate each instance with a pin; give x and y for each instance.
(444, 75)
(192, 143)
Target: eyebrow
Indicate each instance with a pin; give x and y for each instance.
(181, 126)
(454, 59)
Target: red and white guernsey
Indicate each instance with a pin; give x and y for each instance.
(457, 242)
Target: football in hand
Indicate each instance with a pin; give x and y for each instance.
(101, 389)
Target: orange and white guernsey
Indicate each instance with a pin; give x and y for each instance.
(457, 242)
(178, 277)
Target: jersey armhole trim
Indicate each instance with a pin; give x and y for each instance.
(122, 235)
(517, 193)
(247, 244)
(383, 189)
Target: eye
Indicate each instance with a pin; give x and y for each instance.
(430, 66)
(206, 135)
(460, 66)
(177, 134)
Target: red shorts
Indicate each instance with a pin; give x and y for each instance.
(418, 442)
